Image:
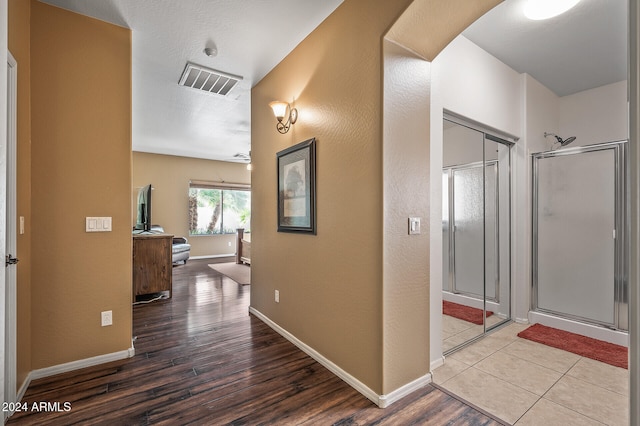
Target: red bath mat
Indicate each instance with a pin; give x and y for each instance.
(580, 345)
(463, 312)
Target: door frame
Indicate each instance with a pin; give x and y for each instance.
(10, 293)
(3, 175)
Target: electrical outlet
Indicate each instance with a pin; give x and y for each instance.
(107, 318)
(277, 295)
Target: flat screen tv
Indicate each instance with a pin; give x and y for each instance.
(143, 216)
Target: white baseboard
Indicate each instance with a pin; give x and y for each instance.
(70, 366)
(381, 401)
(390, 398)
(24, 386)
(213, 256)
(81, 363)
(437, 363)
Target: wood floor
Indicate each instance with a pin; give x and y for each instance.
(202, 359)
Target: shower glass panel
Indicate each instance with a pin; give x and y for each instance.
(475, 208)
(475, 233)
(578, 224)
(468, 220)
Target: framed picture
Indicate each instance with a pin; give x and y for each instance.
(297, 188)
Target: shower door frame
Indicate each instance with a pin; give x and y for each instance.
(452, 227)
(621, 220)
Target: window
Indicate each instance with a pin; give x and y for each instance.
(217, 208)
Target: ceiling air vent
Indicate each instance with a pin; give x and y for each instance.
(208, 80)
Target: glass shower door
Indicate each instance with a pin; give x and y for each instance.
(576, 234)
(468, 231)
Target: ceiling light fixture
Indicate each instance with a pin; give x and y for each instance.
(282, 110)
(544, 9)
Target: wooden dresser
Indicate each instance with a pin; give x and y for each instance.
(152, 266)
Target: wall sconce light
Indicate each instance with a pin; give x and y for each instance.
(283, 110)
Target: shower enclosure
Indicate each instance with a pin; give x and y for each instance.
(579, 248)
(476, 220)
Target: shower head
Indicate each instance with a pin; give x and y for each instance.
(559, 140)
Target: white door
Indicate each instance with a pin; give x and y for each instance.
(9, 154)
(3, 176)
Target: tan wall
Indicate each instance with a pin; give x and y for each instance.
(406, 185)
(81, 166)
(334, 292)
(19, 46)
(170, 176)
(330, 284)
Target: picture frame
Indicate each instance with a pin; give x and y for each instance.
(296, 168)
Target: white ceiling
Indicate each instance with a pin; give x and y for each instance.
(252, 37)
(582, 49)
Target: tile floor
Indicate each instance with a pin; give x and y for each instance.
(456, 331)
(527, 383)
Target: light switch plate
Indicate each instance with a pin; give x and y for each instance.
(414, 225)
(98, 224)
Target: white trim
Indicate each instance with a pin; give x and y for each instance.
(595, 332)
(352, 381)
(81, 363)
(20, 393)
(11, 272)
(634, 159)
(3, 176)
(213, 256)
(24, 386)
(381, 401)
(71, 366)
(401, 392)
(437, 363)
